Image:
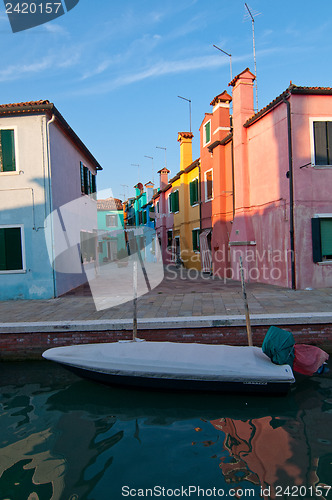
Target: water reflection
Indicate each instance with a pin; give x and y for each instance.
(61, 437)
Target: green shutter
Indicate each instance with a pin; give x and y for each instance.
(207, 132)
(3, 260)
(320, 140)
(192, 193)
(176, 201)
(316, 240)
(195, 237)
(326, 237)
(7, 151)
(82, 177)
(11, 249)
(329, 142)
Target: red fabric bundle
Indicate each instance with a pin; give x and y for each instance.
(308, 358)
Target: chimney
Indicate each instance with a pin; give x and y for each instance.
(186, 155)
(221, 119)
(139, 189)
(149, 190)
(163, 177)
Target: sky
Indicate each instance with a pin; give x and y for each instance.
(115, 70)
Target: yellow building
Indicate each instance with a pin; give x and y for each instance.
(185, 205)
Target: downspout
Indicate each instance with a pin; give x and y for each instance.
(289, 175)
(50, 199)
(233, 175)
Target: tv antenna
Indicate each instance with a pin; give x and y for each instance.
(124, 190)
(227, 54)
(189, 101)
(252, 16)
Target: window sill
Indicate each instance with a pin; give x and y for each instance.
(19, 271)
(209, 199)
(322, 167)
(325, 263)
(14, 172)
(195, 205)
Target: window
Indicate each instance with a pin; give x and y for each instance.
(88, 181)
(111, 220)
(158, 207)
(193, 190)
(323, 142)
(322, 238)
(174, 201)
(11, 249)
(169, 238)
(195, 237)
(144, 217)
(208, 185)
(7, 151)
(207, 133)
(88, 246)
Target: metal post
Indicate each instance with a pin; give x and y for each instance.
(135, 299)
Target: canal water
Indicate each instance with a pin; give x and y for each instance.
(66, 438)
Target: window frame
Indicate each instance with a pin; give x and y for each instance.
(88, 181)
(205, 185)
(190, 184)
(312, 120)
(316, 239)
(112, 216)
(174, 195)
(196, 230)
(24, 268)
(95, 252)
(205, 142)
(17, 169)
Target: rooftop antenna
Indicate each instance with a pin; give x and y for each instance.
(253, 43)
(136, 165)
(160, 147)
(151, 158)
(227, 54)
(124, 190)
(188, 100)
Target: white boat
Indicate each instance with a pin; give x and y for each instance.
(184, 366)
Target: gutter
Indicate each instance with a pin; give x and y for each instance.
(289, 175)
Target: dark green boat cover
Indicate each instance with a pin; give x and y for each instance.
(279, 346)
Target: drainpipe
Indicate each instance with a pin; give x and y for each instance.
(50, 198)
(289, 175)
(233, 175)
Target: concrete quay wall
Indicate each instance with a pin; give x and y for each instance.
(27, 341)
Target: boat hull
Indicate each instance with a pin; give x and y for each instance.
(176, 366)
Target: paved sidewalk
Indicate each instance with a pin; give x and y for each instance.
(176, 297)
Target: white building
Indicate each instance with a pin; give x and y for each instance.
(43, 167)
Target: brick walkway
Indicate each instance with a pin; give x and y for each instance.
(175, 297)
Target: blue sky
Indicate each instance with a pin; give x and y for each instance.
(115, 69)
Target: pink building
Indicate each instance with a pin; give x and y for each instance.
(278, 165)
(163, 217)
(283, 185)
